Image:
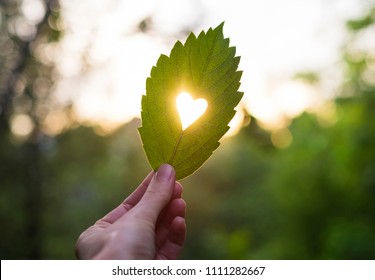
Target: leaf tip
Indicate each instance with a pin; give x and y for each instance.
(218, 28)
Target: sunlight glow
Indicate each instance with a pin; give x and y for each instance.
(293, 97)
(282, 102)
(103, 60)
(236, 123)
(281, 138)
(189, 109)
(21, 125)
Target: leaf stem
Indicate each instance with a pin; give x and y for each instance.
(176, 147)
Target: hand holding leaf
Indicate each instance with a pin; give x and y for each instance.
(206, 68)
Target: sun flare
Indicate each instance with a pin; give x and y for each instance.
(189, 109)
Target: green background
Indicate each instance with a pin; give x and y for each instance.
(311, 200)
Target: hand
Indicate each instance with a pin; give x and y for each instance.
(149, 224)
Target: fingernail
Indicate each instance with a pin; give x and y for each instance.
(164, 172)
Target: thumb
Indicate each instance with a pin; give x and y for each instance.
(157, 195)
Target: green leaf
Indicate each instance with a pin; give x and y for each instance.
(206, 67)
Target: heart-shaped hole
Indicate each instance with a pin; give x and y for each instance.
(189, 109)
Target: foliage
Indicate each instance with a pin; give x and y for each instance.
(205, 67)
(363, 22)
(26, 79)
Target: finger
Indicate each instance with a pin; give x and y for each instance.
(127, 204)
(173, 245)
(176, 208)
(136, 196)
(157, 195)
(177, 192)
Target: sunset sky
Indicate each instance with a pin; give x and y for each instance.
(104, 62)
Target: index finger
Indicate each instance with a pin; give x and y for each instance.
(128, 203)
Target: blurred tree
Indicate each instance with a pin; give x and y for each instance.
(25, 87)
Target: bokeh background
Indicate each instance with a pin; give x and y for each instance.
(295, 177)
